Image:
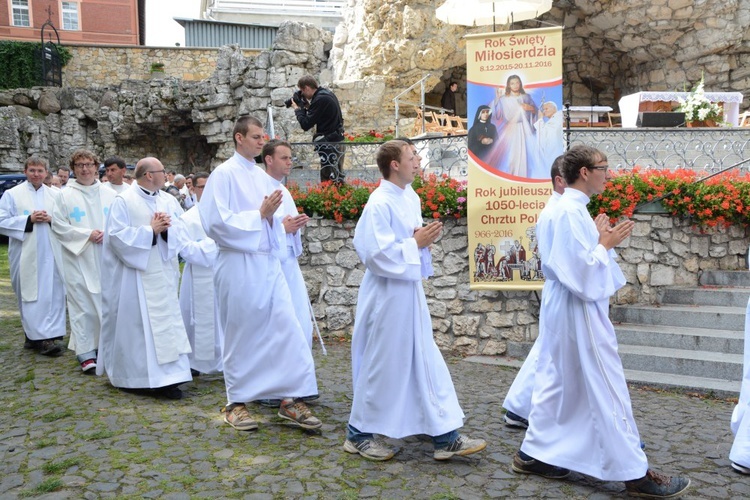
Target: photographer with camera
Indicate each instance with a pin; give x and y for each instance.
(319, 107)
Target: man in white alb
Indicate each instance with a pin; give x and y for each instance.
(78, 225)
(581, 417)
(197, 289)
(266, 354)
(115, 169)
(25, 217)
(143, 343)
(402, 386)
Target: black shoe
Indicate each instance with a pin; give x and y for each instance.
(513, 420)
(49, 348)
(655, 485)
(524, 464)
(195, 373)
(169, 392)
(30, 344)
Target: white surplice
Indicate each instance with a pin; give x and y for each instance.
(740, 423)
(143, 343)
(78, 211)
(518, 399)
(581, 416)
(290, 250)
(197, 294)
(266, 354)
(401, 383)
(34, 259)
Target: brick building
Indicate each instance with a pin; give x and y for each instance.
(105, 22)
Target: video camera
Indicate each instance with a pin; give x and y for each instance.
(298, 98)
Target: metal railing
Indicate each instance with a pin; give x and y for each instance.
(398, 101)
(707, 150)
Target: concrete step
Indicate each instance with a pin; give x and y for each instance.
(723, 388)
(725, 278)
(730, 297)
(664, 360)
(699, 339)
(718, 387)
(690, 316)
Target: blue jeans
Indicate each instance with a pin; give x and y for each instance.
(439, 442)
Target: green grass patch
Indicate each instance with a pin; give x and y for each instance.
(47, 486)
(100, 434)
(61, 466)
(45, 442)
(26, 378)
(51, 417)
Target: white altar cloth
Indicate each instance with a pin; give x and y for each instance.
(629, 104)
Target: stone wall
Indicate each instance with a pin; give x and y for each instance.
(102, 65)
(663, 251)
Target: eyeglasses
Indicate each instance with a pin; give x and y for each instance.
(199, 187)
(155, 171)
(599, 167)
(84, 165)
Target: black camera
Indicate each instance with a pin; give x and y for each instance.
(298, 98)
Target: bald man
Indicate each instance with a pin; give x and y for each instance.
(145, 346)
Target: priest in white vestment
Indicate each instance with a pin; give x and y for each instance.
(116, 168)
(401, 384)
(277, 156)
(197, 289)
(78, 225)
(25, 216)
(740, 423)
(581, 417)
(266, 353)
(143, 343)
(518, 399)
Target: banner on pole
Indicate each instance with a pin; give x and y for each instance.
(514, 93)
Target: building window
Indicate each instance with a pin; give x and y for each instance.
(21, 13)
(70, 15)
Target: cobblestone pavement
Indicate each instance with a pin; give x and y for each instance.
(64, 434)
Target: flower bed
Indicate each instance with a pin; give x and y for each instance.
(441, 197)
(720, 201)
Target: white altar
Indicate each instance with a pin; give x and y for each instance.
(631, 104)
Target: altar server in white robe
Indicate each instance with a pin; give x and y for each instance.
(115, 169)
(401, 383)
(143, 343)
(78, 225)
(277, 156)
(581, 416)
(197, 289)
(25, 216)
(518, 400)
(266, 353)
(740, 423)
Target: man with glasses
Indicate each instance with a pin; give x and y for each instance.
(25, 216)
(581, 417)
(78, 225)
(197, 288)
(143, 342)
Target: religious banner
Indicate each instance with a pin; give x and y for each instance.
(514, 87)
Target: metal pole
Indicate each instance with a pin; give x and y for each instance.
(271, 132)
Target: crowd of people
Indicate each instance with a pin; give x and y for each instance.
(110, 252)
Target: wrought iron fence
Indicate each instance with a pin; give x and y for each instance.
(707, 150)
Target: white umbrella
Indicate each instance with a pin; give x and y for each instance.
(486, 12)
